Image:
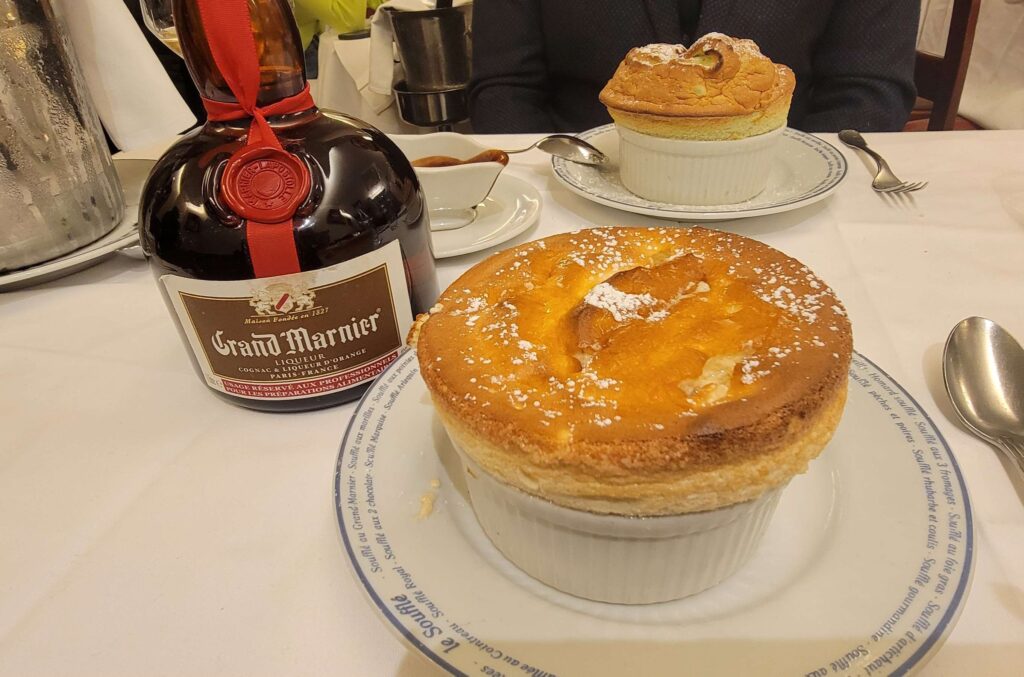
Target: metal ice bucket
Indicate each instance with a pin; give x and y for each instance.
(58, 188)
(434, 46)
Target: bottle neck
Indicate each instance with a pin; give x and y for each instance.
(279, 48)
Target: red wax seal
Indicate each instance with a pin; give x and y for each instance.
(264, 184)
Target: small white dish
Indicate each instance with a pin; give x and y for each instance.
(863, 569)
(453, 193)
(806, 169)
(512, 207)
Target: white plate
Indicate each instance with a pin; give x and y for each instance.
(511, 208)
(863, 569)
(132, 174)
(807, 170)
(124, 235)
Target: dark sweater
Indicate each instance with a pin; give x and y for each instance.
(538, 65)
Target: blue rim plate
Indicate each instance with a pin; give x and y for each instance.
(807, 169)
(863, 570)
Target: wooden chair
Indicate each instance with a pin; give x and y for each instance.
(940, 79)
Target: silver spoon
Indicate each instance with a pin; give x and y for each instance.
(566, 146)
(983, 368)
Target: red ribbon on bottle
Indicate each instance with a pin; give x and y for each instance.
(262, 183)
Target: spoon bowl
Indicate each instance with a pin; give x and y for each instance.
(566, 146)
(983, 369)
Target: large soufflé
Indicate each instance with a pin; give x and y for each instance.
(679, 375)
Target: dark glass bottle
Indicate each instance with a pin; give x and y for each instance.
(306, 340)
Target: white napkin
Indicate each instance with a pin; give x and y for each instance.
(383, 63)
(135, 99)
(993, 93)
(342, 84)
(355, 57)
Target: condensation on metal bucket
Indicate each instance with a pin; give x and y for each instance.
(58, 188)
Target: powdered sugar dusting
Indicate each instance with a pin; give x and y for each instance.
(660, 53)
(741, 46)
(622, 306)
(513, 350)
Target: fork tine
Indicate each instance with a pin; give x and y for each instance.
(910, 187)
(906, 187)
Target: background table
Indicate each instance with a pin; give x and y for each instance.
(147, 528)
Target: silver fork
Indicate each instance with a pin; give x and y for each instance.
(885, 181)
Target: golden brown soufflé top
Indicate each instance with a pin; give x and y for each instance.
(720, 87)
(659, 370)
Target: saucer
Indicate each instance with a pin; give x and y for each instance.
(125, 235)
(512, 206)
(863, 569)
(807, 169)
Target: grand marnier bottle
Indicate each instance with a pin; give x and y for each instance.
(292, 247)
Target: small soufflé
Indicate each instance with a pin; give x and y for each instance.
(720, 88)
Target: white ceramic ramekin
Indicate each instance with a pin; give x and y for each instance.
(612, 558)
(679, 171)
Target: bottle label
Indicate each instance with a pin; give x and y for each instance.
(301, 335)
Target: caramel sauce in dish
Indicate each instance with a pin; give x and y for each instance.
(491, 155)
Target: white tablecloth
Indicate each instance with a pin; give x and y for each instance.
(147, 528)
